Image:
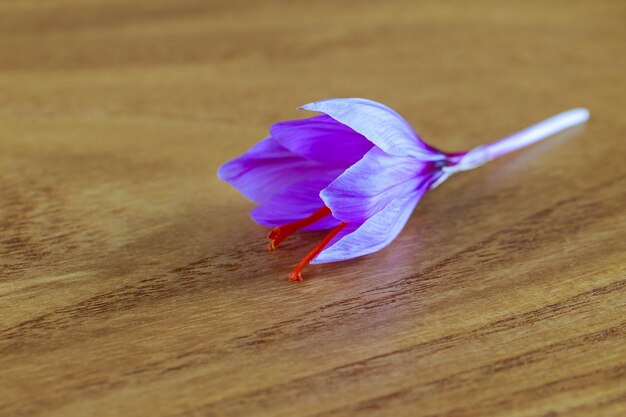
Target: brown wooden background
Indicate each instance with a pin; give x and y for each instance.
(132, 281)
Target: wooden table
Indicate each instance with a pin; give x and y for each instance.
(133, 282)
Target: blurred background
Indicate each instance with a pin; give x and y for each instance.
(241, 62)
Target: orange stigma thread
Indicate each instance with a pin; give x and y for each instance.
(295, 274)
(280, 233)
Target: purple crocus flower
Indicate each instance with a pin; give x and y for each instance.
(357, 169)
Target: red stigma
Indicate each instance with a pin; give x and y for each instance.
(295, 274)
(280, 233)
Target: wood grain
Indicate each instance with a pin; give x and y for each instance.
(133, 283)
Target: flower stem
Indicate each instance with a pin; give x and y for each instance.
(537, 132)
(482, 154)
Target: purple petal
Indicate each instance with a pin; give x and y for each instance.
(321, 139)
(297, 202)
(372, 235)
(378, 123)
(266, 169)
(369, 185)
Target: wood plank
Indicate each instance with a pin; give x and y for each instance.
(133, 282)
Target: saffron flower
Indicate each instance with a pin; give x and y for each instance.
(357, 169)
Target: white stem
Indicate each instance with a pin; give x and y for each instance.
(535, 133)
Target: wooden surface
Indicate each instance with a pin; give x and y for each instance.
(133, 283)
